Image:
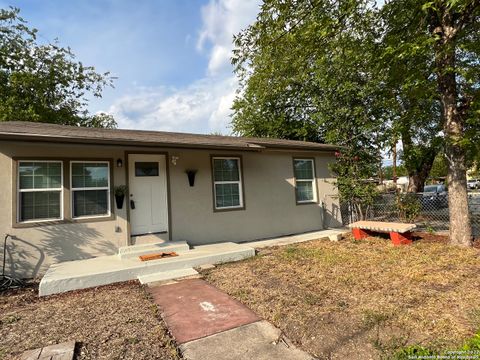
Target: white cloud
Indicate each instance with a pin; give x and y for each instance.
(204, 105)
(221, 20)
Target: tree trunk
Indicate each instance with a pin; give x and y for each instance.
(419, 169)
(418, 176)
(460, 228)
(416, 182)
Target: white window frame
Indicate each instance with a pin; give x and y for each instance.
(239, 182)
(313, 181)
(19, 191)
(72, 189)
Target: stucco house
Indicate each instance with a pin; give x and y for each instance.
(58, 182)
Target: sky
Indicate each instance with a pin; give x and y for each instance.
(171, 57)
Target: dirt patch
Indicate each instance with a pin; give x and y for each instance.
(109, 322)
(361, 299)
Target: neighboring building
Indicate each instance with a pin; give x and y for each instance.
(401, 185)
(473, 172)
(58, 190)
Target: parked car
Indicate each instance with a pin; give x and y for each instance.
(434, 197)
(473, 184)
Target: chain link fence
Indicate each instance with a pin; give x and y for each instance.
(429, 211)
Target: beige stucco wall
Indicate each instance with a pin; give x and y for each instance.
(270, 207)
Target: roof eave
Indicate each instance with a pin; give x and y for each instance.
(110, 142)
(324, 148)
(250, 146)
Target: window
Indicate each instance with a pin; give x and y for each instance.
(90, 188)
(40, 190)
(146, 169)
(305, 189)
(227, 183)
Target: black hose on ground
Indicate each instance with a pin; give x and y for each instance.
(8, 282)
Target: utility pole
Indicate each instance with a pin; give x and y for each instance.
(394, 151)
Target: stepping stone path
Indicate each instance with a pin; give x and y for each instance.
(194, 309)
(63, 351)
(209, 324)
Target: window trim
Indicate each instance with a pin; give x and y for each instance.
(19, 191)
(66, 213)
(240, 182)
(108, 189)
(313, 181)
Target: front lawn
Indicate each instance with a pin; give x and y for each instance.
(362, 299)
(110, 322)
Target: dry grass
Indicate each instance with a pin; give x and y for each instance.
(361, 300)
(110, 322)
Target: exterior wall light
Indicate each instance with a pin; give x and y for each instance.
(191, 176)
(174, 159)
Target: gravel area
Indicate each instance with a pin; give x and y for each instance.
(110, 322)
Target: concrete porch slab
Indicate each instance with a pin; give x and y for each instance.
(194, 309)
(82, 274)
(133, 251)
(331, 234)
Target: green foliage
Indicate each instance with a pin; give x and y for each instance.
(44, 82)
(120, 190)
(473, 343)
(388, 171)
(468, 350)
(439, 167)
(313, 83)
(352, 169)
(412, 352)
(100, 120)
(409, 207)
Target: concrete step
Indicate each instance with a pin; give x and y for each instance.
(82, 274)
(134, 251)
(148, 239)
(167, 275)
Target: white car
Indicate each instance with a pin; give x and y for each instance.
(473, 184)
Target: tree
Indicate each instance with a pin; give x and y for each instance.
(446, 33)
(388, 171)
(351, 73)
(44, 82)
(304, 75)
(439, 167)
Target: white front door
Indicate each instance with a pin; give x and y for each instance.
(148, 200)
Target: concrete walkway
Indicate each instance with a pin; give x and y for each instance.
(209, 324)
(332, 234)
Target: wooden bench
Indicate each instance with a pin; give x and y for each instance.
(400, 233)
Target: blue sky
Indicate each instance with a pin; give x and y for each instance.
(171, 57)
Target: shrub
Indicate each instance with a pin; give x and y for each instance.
(408, 206)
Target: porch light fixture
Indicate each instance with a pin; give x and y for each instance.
(174, 159)
(191, 176)
(119, 163)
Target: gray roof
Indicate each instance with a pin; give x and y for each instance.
(35, 131)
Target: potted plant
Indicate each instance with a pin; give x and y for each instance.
(120, 192)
